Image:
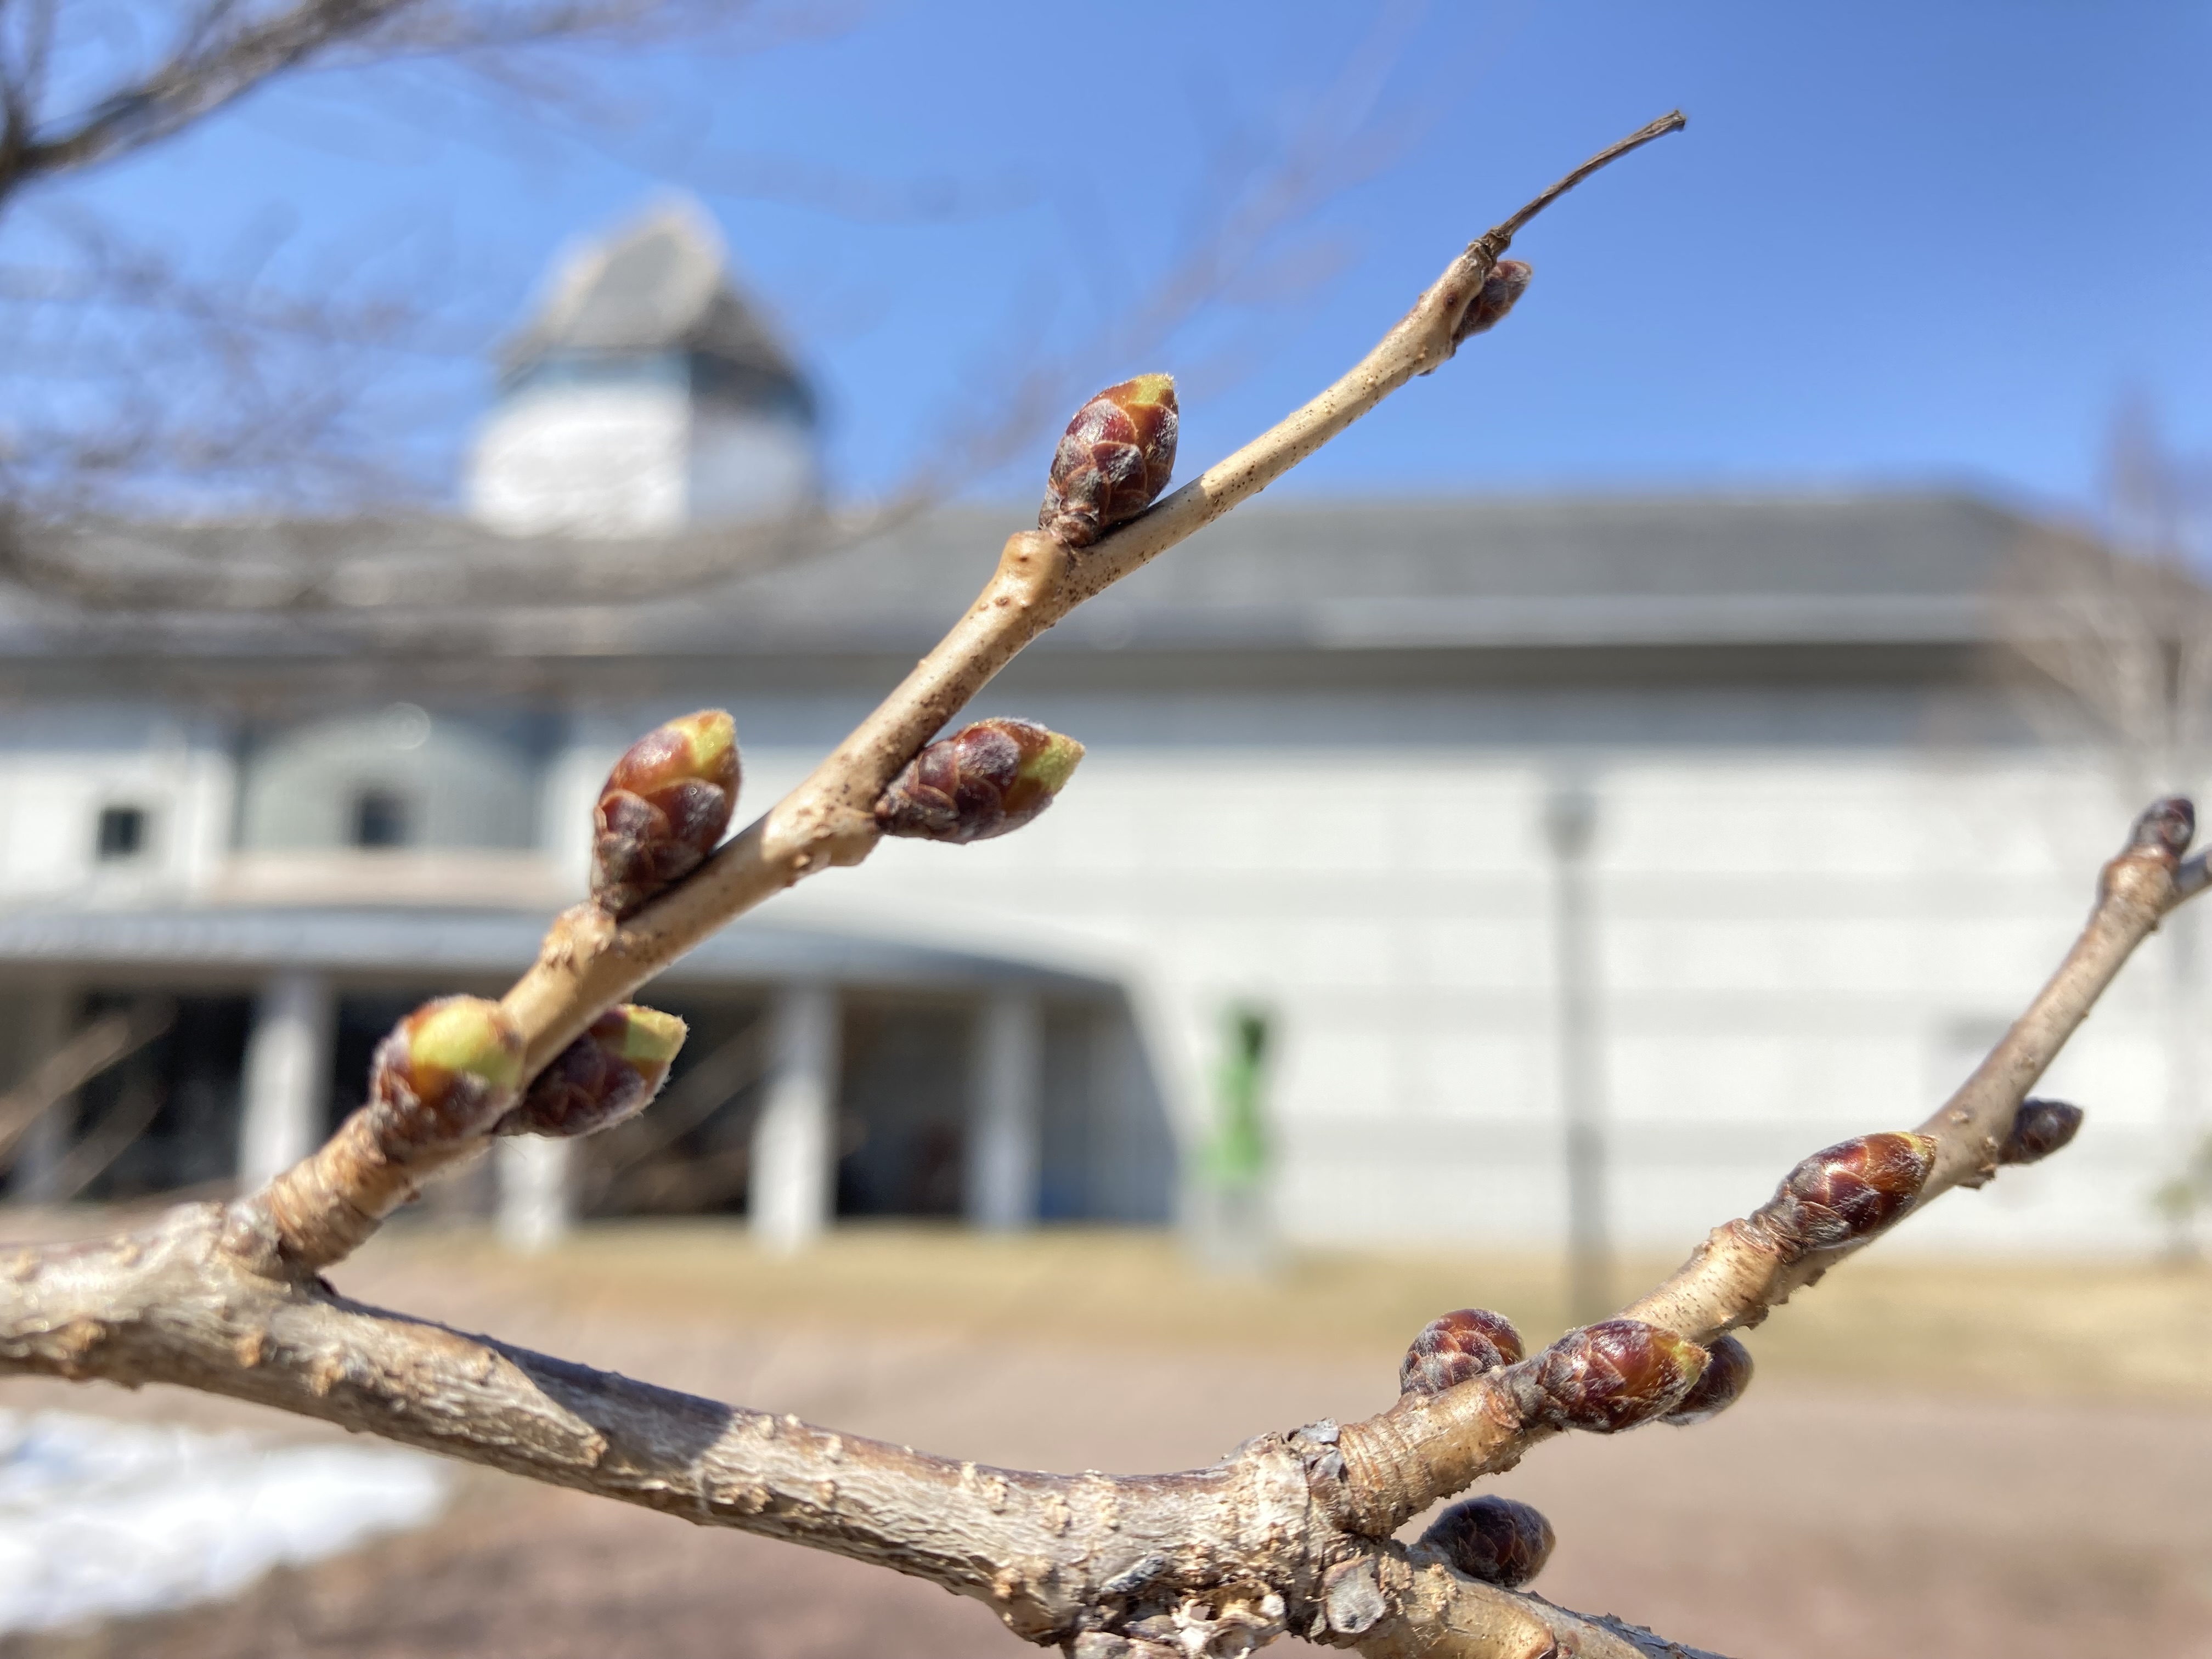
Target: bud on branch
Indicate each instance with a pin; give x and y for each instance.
(446, 1073)
(1614, 1375)
(2166, 826)
(663, 808)
(1501, 290)
(1848, 1192)
(608, 1075)
(2040, 1129)
(983, 781)
(1116, 455)
(1458, 1348)
(1726, 1375)
(1495, 1540)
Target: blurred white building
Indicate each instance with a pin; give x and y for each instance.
(1332, 752)
(644, 397)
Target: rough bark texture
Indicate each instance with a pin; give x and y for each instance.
(1292, 1533)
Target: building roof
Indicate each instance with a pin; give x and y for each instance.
(222, 941)
(1475, 573)
(659, 284)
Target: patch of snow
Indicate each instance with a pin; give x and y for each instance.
(99, 1519)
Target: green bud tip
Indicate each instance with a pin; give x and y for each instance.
(1051, 765)
(712, 736)
(463, 1034)
(642, 1036)
(1145, 391)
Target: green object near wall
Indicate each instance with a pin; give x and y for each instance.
(1236, 1156)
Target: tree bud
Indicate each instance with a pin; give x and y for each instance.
(663, 808)
(983, 781)
(1495, 1540)
(2040, 1129)
(2166, 826)
(1457, 1347)
(1507, 282)
(609, 1073)
(447, 1071)
(1115, 456)
(1615, 1374)
(1726, 1376)
(1850, 1190)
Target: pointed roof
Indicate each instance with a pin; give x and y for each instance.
(660, 283)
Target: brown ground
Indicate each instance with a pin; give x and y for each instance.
(1969, 1462)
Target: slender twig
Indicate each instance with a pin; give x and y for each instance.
(588, 963)
(1425, 1448)
(1503, 234)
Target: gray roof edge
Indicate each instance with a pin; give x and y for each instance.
(466, 943)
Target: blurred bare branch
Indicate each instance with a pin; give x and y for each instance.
(185, 443)
(104, 99)
(107, 1041)
(2122, 623)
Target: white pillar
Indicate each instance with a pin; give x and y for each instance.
(288, 1073)
(537, 1203)
(794, 1170)
(43, 1017)
(1002, 1117)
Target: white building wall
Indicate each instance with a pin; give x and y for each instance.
(607, 460)
(60, 766)
(1799, 943)
(637, 458)
(747, 466)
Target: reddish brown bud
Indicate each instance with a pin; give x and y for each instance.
(609, 1073)
(1615, 1374)
(1726, 1376)
(1507, 282)
(2040, 1129)
(1115, 456)
(1492, 1538)
(983, 781)
(1457, 1347)
(663, 808)
(1850, 1190)
(447, 1071)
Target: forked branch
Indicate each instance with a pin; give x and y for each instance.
(1292, 1533)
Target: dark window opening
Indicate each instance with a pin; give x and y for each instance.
(692, 1154)
(122, 832)
(382, 818)
(902, 1119)
(167, 1115)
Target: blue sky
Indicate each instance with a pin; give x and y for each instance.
(1900, 244)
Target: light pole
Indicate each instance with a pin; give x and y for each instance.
(1570, 826)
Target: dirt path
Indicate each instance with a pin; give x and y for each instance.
(1805, 1524)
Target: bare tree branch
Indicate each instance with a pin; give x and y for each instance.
(1291, 1534)
(1428, 1447)
(589, 962)
(225, 50)
(1204, 1563)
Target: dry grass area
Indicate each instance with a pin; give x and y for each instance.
(1939, 1462)
(2130, 1330)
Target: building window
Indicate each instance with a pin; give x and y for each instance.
(122, 833)
(382, 818)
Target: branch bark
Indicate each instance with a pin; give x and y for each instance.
(1292, 1533)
